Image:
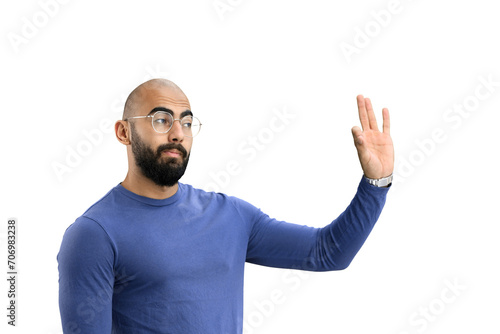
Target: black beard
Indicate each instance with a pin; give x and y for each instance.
(163, 172)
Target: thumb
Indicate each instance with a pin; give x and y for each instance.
(357, 134)
(359, 142)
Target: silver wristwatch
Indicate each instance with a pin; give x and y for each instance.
(383, 182)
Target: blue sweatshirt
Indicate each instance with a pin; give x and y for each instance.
(132, 264)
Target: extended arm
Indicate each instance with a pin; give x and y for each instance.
(279, 244)
(284, 245)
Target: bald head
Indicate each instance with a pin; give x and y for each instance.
(136, 98)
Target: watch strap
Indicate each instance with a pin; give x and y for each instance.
(382, 182)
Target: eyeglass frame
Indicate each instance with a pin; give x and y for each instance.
(169, 112)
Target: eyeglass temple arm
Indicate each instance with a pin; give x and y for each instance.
(138, 117)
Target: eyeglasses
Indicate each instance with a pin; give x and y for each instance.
(163, 121)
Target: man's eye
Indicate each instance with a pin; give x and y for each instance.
(160, 121)
(187, 121)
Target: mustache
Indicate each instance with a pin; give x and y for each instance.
(171, 146)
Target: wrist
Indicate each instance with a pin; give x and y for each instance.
(382, 182)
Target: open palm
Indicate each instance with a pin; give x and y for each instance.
(375, 148)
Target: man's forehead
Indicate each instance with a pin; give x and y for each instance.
(165, 97)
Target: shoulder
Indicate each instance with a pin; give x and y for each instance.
(87, 230)
(90, 227)
(106, 211)
(104, 204)
(243, 208)
(85, 242)
(199, 196)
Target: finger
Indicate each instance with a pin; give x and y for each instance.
(371, 114)
(363, 153)
(363, 117)
(357, 134)
(387, 121)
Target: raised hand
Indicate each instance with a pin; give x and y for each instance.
(375, 148)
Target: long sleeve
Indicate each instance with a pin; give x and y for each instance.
(86, 278)
(279, 244)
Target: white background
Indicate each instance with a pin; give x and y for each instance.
(237, 67)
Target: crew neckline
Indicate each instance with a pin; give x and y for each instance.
(152, 201)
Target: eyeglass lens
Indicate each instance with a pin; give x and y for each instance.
(162, 122)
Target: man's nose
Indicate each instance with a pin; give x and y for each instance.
(176, 133)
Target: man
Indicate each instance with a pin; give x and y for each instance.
(157, 256)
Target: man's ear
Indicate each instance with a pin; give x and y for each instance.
(122, 132)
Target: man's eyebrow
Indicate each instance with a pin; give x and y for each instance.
(161, 109)
(184, 113)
